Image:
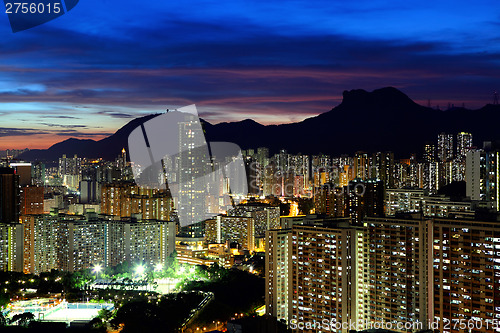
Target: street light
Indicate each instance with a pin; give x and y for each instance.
(139, 270)
(97, 269)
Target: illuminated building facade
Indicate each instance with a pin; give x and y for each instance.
(445, 147)
(9, 196)
(466, 269)
(396, 272)
(40, 243)
(361, 165)
(11, 249)
(127, 200)
(237, 229)
(70, 170)
(314, 271)
(150, 242)
(31, 200)
(116, 199)
(193, 165)
(399, 200)
(430, 152)
(265, 217)
(82, 244)
(278, 274)
(483, 175)
(212, 231)
(464, 144)
(23, 170)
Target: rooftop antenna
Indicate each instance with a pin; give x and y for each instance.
(495, 98)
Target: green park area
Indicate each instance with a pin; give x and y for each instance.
(174, 296)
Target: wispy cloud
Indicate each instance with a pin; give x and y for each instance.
(116, 114)
(64, 126)
(59, 117)
(9, 131)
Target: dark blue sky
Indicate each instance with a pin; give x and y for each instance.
(88, 72)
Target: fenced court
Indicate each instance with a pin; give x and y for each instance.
(68, 312)
(58, 310)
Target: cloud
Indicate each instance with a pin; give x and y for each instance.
(59, 117)
(64, 126)
(116, 114)
(237, 67)
(11, 131)
(77, 134)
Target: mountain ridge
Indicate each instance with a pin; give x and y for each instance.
(385, 119)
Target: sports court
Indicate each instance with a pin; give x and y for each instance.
(58, 310)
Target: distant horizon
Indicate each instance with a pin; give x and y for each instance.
(98, 137)
(49, 140)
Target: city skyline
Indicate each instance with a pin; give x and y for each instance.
(250, 166)
(355, 239)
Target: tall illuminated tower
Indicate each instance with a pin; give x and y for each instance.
(483, 175)
(464, 143)
(193, 165)
(445, 147)
(9, 196)
(429, 152)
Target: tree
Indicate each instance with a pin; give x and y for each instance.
(284, 209)
(23, 319)
(172, 264)
(105, 314)
(138, 317)
(4, 299)
(305, 205)
(96, 323)
(3, 321)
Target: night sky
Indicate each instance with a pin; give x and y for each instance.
(92, 70)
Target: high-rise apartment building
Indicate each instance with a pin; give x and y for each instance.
(429, 152)
(483, 176)
(382, 167)
(445, 147)
(23, 170)
(430, 177)
(193, 162)
(464, 144)
(90, 192)
(314, 272)
(11, 247)
(361, 165)
(31, 200)
(415, 274)
(399, 200)
(82, 244)
(128, 200)
(232, 229)
(279, 282)
(70, 170)
(9, 196)
(116, 199)
(265, 217)
(149, 242)
(396, 271)
(40, 243)
(465, 294)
